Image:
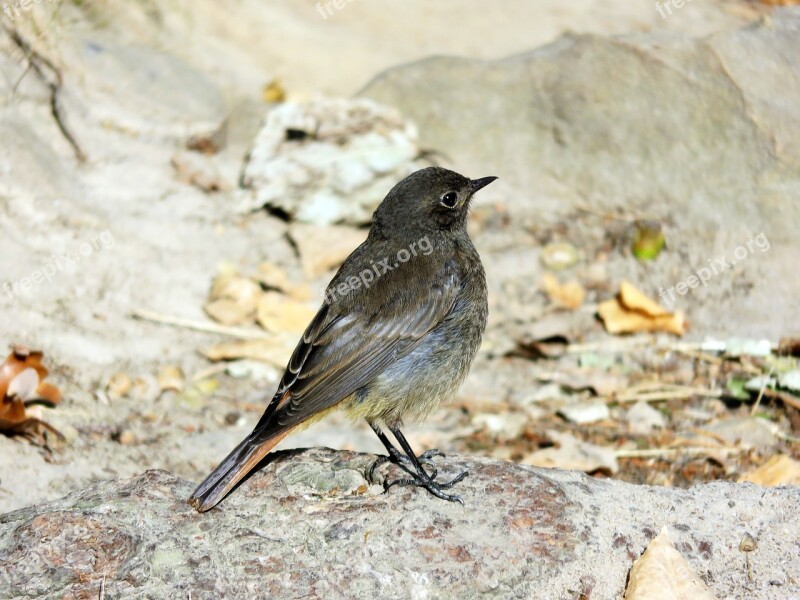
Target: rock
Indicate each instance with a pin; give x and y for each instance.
(330, 161)
(746, 432)
(553, 106)
(622, 122)
(507, 425)
(643, 419)
(585, 412)
(31, 169)
(790, 380)
(143, 91)
(199, 170)
(309, 525)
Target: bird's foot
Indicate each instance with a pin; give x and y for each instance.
(420, 477)
(426, 458)
(434, 487)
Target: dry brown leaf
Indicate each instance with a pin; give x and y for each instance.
(273, 277)
(633, 312)
(275, 352)
(633, 299)
(277, 313)
(22, 384)
(572, 453)
(661, 573)
(119, 385)
(171, 378)
(233, 298)
(569, 295)
(323, 247)
(789, 346)
(778, 470)
(273, 91)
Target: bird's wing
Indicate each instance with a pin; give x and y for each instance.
(347, 345)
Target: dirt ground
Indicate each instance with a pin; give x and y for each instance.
(125, 234)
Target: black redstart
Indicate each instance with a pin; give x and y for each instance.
(401, 323)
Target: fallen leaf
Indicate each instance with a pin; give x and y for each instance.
(323, 247)
(648, 241)
(119, 385)
(21, 385)
(569, 295)
(789, 346)
(275, 352)
(778, 470)
(233, 299)
(573, 453)
(273, 92)
(661, 573)
(633, 312)
(277, 313)
(195, 395)
(275, 278)
(170, 378)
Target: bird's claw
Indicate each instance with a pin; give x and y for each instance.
(432, 486)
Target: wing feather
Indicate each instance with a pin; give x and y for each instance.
(343, 350)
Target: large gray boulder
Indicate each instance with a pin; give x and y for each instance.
(637, 120)
(308, 525)
(702, 135)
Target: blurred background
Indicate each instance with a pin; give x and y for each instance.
(179, 181)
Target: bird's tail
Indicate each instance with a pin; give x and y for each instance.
(236, 465)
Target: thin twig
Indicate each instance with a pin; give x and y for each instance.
(682, 393)
(54, 81)
(658, 452)
(237, 332)
(785, 397)
(621, 345)
(704, 356)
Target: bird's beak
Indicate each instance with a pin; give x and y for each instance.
(477, 184)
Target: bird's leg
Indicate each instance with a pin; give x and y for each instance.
(395, 456)
(422, 478)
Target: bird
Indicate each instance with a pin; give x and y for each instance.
(400, 325)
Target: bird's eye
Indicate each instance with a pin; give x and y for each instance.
(450, 199)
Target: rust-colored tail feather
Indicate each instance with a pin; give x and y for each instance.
(230, 471)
